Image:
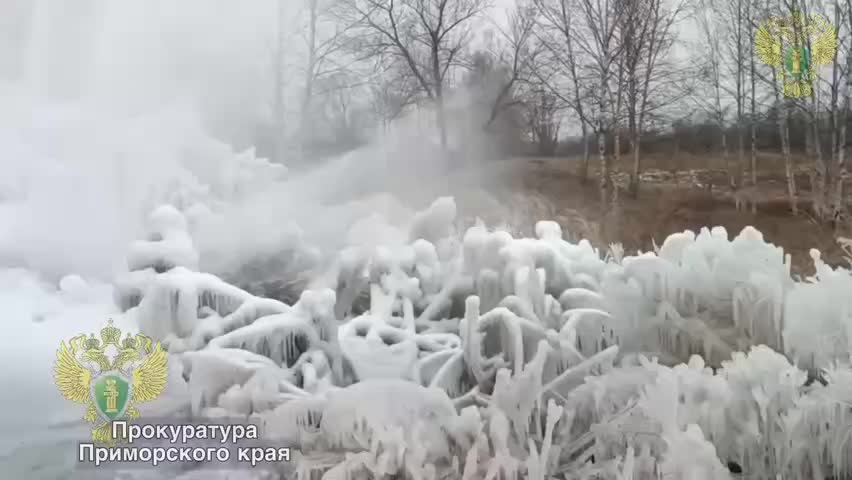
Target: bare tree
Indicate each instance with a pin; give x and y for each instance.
(710, 75)
(736, 41)
(517, 54)
(427, 36)
(561, 23)
(392, 88)
(821, 178)
(310, 69)
(278, 113)
(824, 173)
(752, 118)
(602, 20)
(633, 35)
(324, 63)
(491, 117)
(837, 87)
(841, 142)
(333, 111)
(768, 49)
(647, 39)
(542, 110)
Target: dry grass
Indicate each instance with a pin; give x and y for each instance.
(663, 208)
(517, 193)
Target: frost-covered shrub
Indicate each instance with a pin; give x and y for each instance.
(168, 245)
(818, 316)
(441, 354)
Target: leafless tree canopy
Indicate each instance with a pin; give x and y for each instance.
(427, 36)
(610, 74)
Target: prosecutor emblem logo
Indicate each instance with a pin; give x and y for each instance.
(796, 46)
(110, 376)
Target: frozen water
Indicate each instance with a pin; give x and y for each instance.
(531, 356)
(410, 347)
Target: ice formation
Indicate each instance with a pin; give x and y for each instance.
(382, 342)
(480, 355)
(409, 346)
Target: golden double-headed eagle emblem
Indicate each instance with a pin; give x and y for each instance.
(110, 376)
(795, 46)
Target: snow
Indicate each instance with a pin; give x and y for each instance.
(37, 316)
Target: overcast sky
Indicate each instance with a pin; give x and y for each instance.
(217, 52)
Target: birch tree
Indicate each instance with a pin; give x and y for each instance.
(837, 92)
(783, 105)
(736, 18)
(598, 40)
(563, 65)
(752, 117)
(647, 40)
(821, 178)
(841, 141)
(822, 49)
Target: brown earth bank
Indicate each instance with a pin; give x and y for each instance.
(518, 192)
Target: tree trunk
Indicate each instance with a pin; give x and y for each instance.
(308, 93)
(438, 80)
(753, 153)
(809, 143)
(605, 176)
(546, 139)
(278, 88)
(820, 179)
(839, 203)
(441, 118)
(604, 165)
(740, 87)
(633, 132)
(726, 156)
(637, 166)
(789, 171)
(584, 165)
(616, 150)
(753, 112)
(740, 154)
(578, 98)
(616, 119)
(784, 135)
(673, 165)
(720, 118)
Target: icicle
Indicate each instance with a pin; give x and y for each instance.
(472, 339)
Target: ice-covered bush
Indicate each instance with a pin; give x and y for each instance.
(475, 354)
